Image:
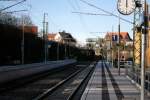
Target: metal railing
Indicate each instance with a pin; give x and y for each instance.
(135, 74)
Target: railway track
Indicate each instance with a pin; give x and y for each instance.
(67, 88)
(31, 78)
(40, 88)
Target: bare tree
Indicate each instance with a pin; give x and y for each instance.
(9, 19)
(6, 18)
(27, 20)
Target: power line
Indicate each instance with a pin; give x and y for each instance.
(106, 11)
(8, 0)
(70, 3)
(85, 13)
(77, 4)
(12, 5)
(82, 22)
(55, 25)
(14, 11)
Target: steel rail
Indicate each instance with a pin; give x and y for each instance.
(88, 74)
(50, 90)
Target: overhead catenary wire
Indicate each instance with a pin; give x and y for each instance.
(86, 13)
(74, 8)
(81, 17)
(71, 4)
(77, 7)
(54, 24)
(12, 5)
(106, 11)
(14, 11)
(8, 0)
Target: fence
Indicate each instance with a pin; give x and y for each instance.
(135, 74)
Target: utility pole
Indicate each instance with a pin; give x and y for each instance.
(22, 43)
(46, 42)
(118, 46)
(45, 37)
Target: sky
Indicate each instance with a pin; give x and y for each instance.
(60, 16)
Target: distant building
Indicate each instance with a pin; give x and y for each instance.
(51, 36)
(96, 44)
(62, 37)
(124, 36)
(30, 29)
(111, 43)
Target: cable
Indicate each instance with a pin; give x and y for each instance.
(71, 4)
(14, 11)
(56, 25)
(85, 13)
(12, 5)
(82, 21)
(106, 11)
(80, 17)
(8, 0)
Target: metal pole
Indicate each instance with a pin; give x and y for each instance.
(143, 54)
(142, 68)
(44, 35)
(65, 50)
(22, 44)
(44, 38)
(58, 51)
(118, 46)
(69, 48)
(112, 54)
(112, 46)
(46, 41)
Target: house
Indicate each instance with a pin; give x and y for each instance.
(62, 37)
(126, 45)
(51, 37)
(124, 36)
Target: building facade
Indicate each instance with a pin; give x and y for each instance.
(112, 44)
(62, 37)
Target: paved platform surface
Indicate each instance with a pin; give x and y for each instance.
(106, 84)
(9, 73)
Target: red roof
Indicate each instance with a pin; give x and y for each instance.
(30, 29)
(123, 35)
(51, 36)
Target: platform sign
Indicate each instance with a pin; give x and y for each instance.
(114, 37)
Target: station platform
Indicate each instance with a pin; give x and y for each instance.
(107, 84)
(9, 73)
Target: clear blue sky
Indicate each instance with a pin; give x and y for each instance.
(60, 17)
